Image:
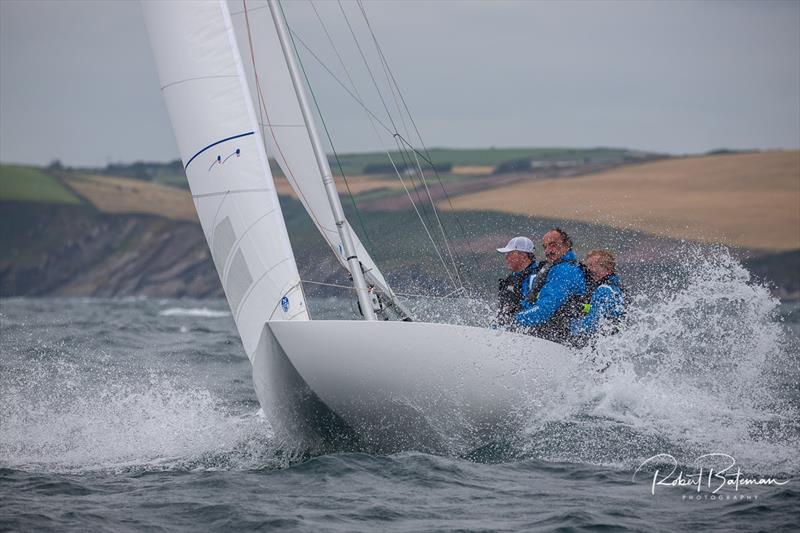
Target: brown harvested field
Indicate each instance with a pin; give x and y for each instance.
(358, 185)
(474, 170)
(744, 200)
(123, 195)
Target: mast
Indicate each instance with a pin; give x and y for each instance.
(359, 282)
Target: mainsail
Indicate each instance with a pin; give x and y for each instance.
(207, 96)
(284, 130)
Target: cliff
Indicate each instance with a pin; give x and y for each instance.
(71, 233)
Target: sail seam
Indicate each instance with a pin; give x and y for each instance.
(221, 193)
(220, 76)
(273, 125)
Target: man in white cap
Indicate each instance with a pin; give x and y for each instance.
(513, 290)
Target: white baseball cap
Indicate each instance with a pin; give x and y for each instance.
(519, 244)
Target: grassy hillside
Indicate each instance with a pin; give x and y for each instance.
(464, 161)
(74, 233)
(745, 200)
(125, 195)
(27, 184)
(170, 173)
(487, 157)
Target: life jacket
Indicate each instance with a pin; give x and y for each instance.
(556, 328)
(611, 280)
(613, 321)
(509, 293)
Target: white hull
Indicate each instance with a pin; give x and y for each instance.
(402, 385)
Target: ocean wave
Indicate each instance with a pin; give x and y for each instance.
(702, 365)
(194, 312)
(58, 417)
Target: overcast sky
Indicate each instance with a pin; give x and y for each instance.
(78, 81)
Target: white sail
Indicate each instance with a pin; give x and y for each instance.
(284, 130)
(207, 96)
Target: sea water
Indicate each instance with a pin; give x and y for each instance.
(133, 414)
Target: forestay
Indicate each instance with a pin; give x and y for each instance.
(206, 93)
(283, 128)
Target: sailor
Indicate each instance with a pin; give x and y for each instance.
(557, 289)
(605, 297)
(513, 289)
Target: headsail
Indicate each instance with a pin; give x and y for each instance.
(283, 128)
(209, 104)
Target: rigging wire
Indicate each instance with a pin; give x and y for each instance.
(404, 294)
(405, 154)
(394, 83)
(325, 127)
(394, 88)
(405, 147)
(371, 116)
(394, 131)
(372, 122)
(374, 117)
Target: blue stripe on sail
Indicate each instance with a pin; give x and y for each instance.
(216, 143)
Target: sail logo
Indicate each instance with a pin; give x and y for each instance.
(220, 161)
(285, 304)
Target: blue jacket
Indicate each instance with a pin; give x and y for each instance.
(608, 302)
(565, 279)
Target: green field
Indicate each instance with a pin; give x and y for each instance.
(355, 163)
(172, 180)
(26, 184)
(171, 173)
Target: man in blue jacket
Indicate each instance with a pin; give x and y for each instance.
(607, 302)
(558, 287)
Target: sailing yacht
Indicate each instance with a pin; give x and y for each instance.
(373, 384)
